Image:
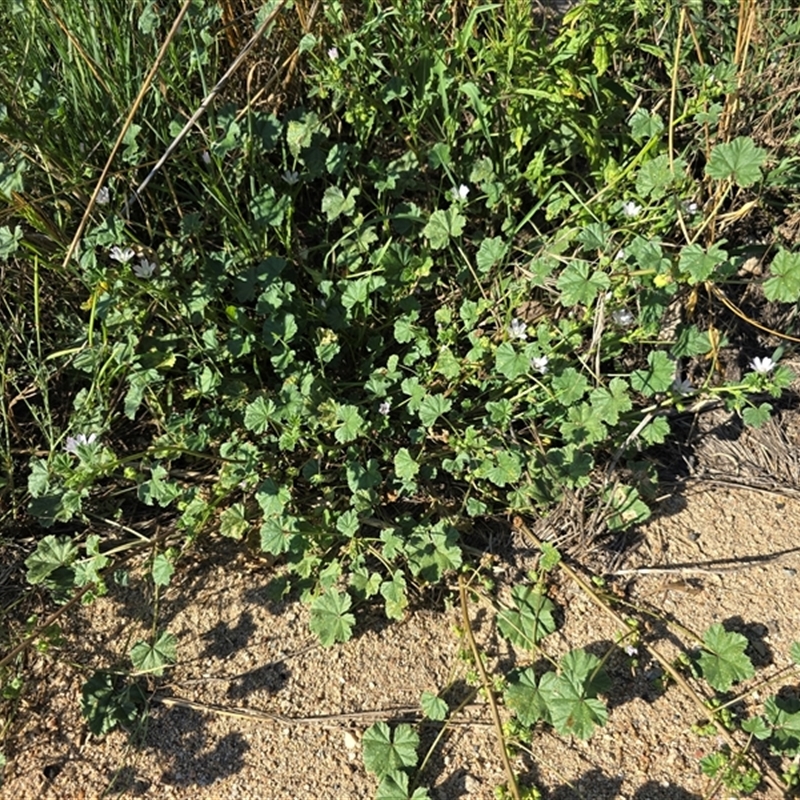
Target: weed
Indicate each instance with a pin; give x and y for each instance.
(449, 272)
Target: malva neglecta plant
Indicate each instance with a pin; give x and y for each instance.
(462, 265)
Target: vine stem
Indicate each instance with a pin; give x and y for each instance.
(498, 725)
(696, 698)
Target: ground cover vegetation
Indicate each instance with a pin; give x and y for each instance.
(409, 269)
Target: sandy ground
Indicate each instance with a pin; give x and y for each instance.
(256, 709)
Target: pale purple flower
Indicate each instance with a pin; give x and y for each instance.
(144, 269)
(121, 254)
(517, 328)
(385, 407)
(623, 317)
(763, 366)
(461, 192)
(631, 209)
(291, 176)
(103, 196)
(682, 386)
(539, 363)
(333, 53)
(74, 442)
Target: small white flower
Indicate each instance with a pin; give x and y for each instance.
(623, 317)
(461, 193)
(103, 196)
(763, 366)
(691, 208)
(631, 209)
(631, 650)
(620, 256)
(121, 254)
(385, 407)
(517, 328)
(682, 386)
(333, 53)
(144, 269)
(73, 442)
(540, 364)
(291, 176)
(206, 156)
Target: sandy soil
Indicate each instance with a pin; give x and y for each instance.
(256, 709)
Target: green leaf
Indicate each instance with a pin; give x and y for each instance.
(504, 468)
(433, 550)
(88, 570)
(442, 226)
(569, 386)
(530, 620)
(644, 125)
(524, 698)
(585, 670)
(492, 251)
(698, 264)
(39, 479)
(404, 465)
(258, 414)
(758, 726)
(609, 403)
(723, 662)
(628, 508)
(756, 416)
(9, 241)
(395, 596)
(386, 751)
(335, 202)
(447, 364)
(656, 431)
(271, 498)
(162, 570)
(511, 363)
(577, 286)
(152, 658)
(365, 583)
(794, 652)
(582, 425)
(268, 208)
(691, 341)
(432, 407)
(783, 713)
(784, 285)
(433, 707)
(52, 553)
(329, 617)
(233, 522)
(739, 160)
(352, 424)
(574, 715)
(157, 489)
(550, 557)
(299, 133)
(107, 702)
(658, 378)
(278, 536)
(594, 236)
(394, 786)
(348, 523)
(656, 176)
